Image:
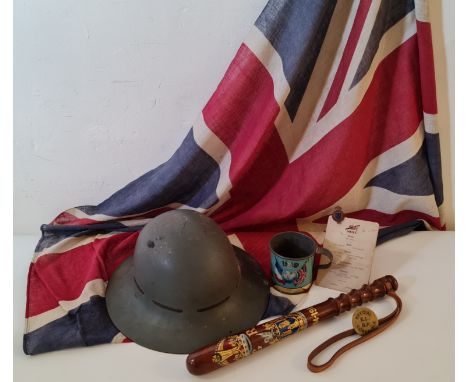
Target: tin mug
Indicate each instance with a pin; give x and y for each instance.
(292, 261)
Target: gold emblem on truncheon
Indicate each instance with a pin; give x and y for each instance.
(364, 321)
(314, 315)
(231, 349)
(285, 326)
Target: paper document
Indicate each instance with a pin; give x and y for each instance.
(352, 243)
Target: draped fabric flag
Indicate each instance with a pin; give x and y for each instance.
(326, 103)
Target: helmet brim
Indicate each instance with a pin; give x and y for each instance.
(171, 331)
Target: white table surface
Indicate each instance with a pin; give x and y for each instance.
(418, 347)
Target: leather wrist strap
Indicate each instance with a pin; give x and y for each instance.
(384, 323)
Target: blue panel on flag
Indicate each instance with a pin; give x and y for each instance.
(390, 12)
(278, 306)
(88, 324)
(172, 182)
(296, 29)
(435, 165)
(398, 230)
(53, 234)
(408, 178)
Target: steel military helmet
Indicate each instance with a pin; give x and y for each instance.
(186, 286)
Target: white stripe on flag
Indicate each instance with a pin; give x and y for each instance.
(215, 148)
(388, 202)
(69, 244)
(234, 240)
(315, 229)
(118, 338)
(422, 10)
(271, 60)
(431, 124)
(83, 215)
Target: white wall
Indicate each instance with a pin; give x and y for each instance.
(106, 90)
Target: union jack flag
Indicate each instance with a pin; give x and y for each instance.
(326, 103)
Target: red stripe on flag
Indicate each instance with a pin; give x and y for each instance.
(66, 218)
(426, 67)
(389, 113)
(290, 225)
(243, 101)
(62, 276)
(39, 298)
(348, 53)
(256, 244)
(241, 113)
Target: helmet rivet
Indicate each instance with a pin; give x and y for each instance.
(150, 243)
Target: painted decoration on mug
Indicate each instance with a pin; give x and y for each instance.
(292, 273)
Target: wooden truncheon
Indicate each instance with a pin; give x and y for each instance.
(236, 347)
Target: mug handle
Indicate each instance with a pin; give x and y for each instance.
(325, 252)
